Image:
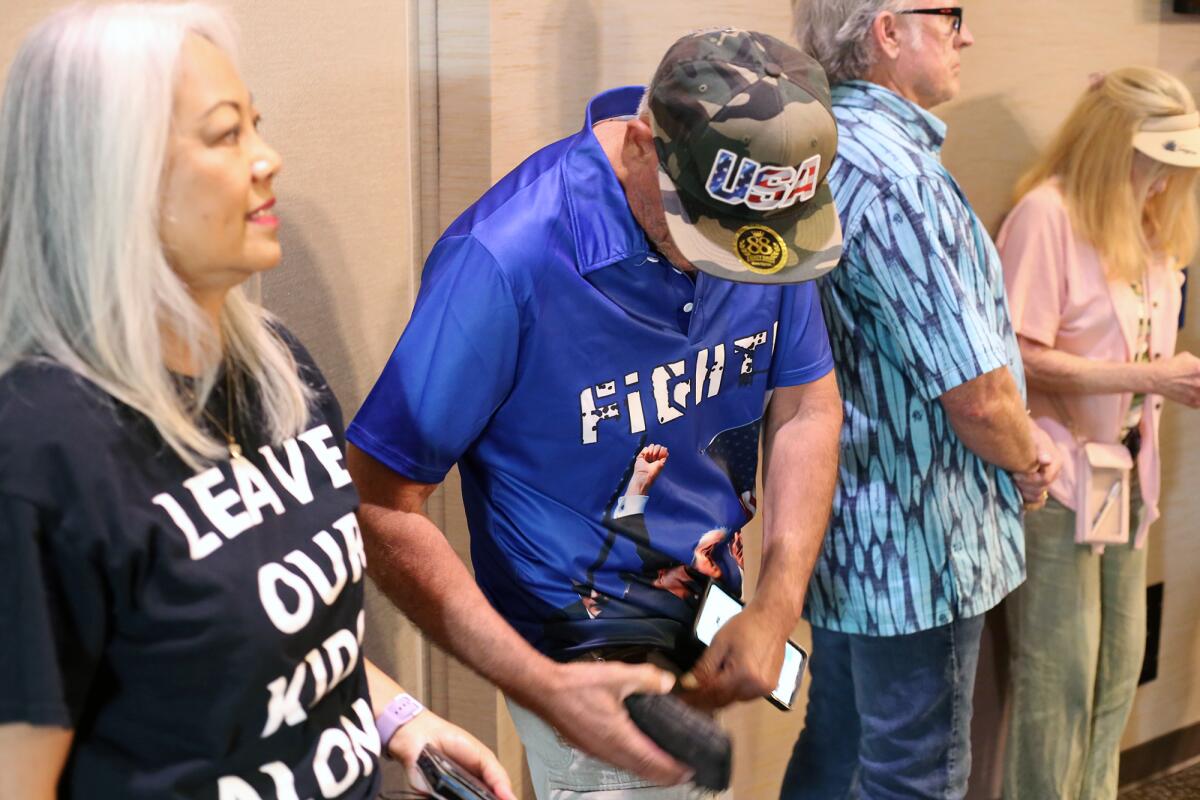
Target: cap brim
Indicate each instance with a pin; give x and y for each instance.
(1177, 148)
(811, 239)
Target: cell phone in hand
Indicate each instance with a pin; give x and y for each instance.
(449, 780)
(717, 608)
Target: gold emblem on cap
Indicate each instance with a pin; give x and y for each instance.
(761, 249)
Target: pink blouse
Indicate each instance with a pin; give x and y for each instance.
(1059, 296)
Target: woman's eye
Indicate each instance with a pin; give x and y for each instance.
(231, 136)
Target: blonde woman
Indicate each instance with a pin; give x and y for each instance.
(181, 571)
(1092, 254)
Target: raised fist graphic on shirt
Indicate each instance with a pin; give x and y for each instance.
(646, 468)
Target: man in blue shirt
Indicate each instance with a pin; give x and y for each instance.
(925, 534)
(579, 351)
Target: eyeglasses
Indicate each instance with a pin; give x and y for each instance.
(950, 11)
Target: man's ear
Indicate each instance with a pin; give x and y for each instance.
(639, 142)
(885, 32)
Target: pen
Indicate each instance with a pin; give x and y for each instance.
(1108, 501)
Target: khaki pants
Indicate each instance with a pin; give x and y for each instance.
(1078, 630)
(560, 772)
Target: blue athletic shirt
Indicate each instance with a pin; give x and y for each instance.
(548, 346)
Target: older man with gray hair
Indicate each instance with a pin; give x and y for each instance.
(937, 453)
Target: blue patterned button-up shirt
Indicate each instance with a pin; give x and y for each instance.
(923, 531)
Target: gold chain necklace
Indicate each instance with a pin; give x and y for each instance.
(235, 449)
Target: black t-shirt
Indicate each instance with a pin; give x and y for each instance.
(200, 632)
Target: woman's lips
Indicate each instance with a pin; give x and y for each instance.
(261, 215)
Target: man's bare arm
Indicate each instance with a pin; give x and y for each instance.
(800, 457)
(988, 415)
(411, 561)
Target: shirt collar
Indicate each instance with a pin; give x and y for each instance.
(603, 227)
(927, 130)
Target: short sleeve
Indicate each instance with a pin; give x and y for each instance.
(452, 368)
(912, 258)
(1032, 250)
(803, 354)
(54, 608)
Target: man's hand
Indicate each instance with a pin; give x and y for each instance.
(800, 453)
(428, 729)
(650, 462)
(1035, 485)
(414, 564)
(585, 703)
(742, 663)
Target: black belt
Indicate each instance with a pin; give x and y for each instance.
(632, 654)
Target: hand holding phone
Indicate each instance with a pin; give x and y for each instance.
(716, 609)
(448, 780)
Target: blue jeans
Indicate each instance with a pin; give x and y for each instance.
(888, 716)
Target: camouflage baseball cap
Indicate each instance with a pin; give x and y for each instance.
(745, 136)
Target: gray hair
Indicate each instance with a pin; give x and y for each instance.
(837, 33)
(84, 282)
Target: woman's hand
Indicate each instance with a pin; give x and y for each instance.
(429, 730)
(1178, 378)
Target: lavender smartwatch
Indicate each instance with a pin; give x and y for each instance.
(398, 713)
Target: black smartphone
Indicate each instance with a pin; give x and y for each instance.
(717, 608)
(449, 780)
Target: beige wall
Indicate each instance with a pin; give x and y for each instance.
(393, 115)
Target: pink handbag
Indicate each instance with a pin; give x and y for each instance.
(1102, 493)
(1102, 486)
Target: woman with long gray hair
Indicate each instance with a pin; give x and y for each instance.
(181, 570)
